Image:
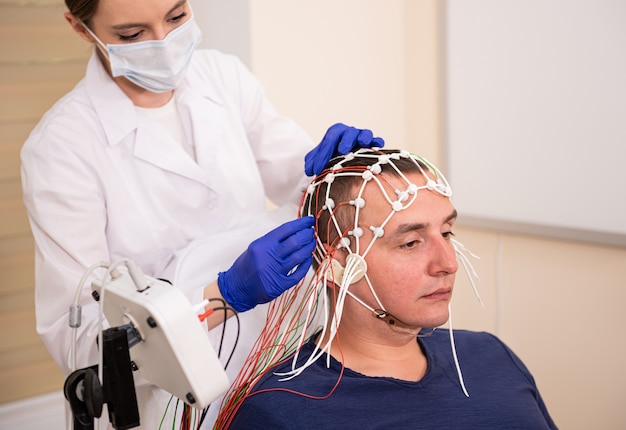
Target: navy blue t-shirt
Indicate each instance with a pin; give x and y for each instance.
(503, 394)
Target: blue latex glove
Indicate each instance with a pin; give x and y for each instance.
(338, 140)
(264, 271)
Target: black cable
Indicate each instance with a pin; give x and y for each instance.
(225, 308)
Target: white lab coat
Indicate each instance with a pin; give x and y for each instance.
(102, 183)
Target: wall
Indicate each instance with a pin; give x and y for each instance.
(319, 61)
(552, 98)
(40, 60)
(559, 305)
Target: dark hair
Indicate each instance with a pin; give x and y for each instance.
(82, 9)
(344, 189)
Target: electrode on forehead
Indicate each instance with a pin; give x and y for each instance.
(378, 231)
(403, 196)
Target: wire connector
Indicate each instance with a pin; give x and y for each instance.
(139, 279)
(75, 315)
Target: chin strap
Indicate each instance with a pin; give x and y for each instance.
(389, 318)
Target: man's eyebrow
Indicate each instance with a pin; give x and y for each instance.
(139, 24)
(408, 227)
(452, 216)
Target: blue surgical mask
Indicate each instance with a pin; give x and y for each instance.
(156, 65)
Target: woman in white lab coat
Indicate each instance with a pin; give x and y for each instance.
(154, 150)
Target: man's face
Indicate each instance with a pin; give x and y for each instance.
(412, 266)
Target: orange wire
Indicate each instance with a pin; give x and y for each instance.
(205, 315)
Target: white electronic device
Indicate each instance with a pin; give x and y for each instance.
(174, 351)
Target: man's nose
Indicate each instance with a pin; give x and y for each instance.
(444, 258)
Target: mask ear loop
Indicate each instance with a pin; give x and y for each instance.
(101, 46)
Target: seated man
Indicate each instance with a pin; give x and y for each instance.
(386, 262)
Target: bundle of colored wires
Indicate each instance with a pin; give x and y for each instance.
(290, 320)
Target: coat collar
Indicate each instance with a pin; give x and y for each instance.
(114, 109)
(121, 122)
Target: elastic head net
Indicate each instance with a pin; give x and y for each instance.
(335, 197)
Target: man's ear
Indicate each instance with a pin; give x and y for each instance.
(78, 27)
(335, 271)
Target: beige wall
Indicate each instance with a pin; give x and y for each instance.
(40, 60)
(320, 61)
(370, 63)
(375, 63)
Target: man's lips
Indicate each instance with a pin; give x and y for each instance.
(440, 294)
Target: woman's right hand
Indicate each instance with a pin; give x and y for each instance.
(271, 265)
